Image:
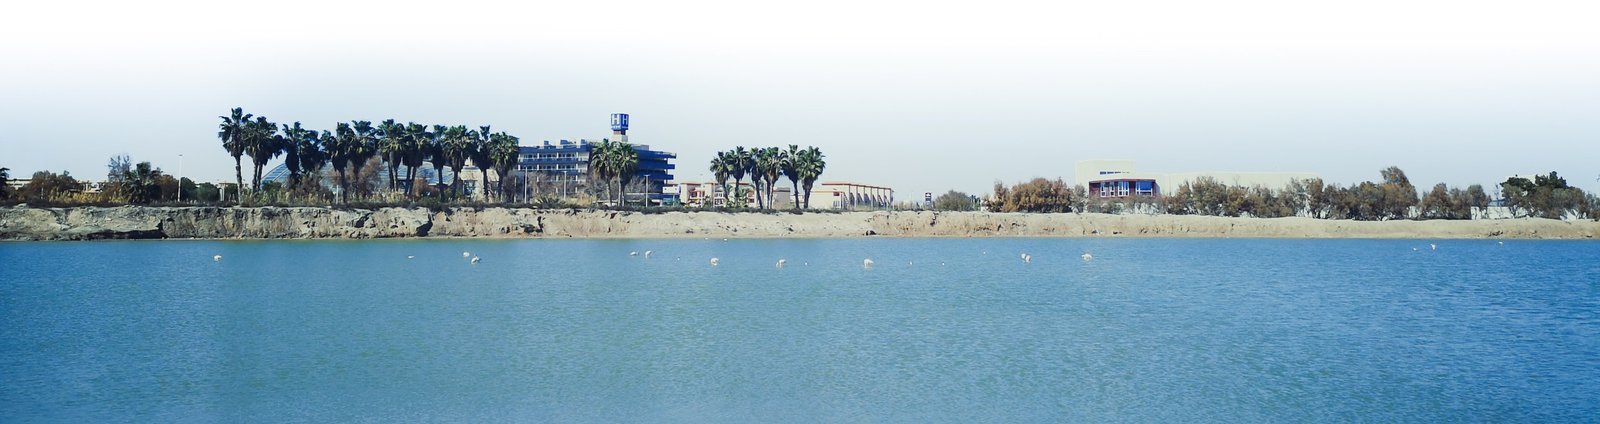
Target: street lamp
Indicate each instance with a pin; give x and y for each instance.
(180, 178)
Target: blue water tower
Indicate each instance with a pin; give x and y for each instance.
(619, 123)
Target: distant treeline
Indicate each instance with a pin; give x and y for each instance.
(1393, 197)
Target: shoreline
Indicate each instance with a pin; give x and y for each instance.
(234, 223)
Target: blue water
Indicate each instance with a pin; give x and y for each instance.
(942, 330)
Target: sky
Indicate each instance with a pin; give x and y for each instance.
(922, 96)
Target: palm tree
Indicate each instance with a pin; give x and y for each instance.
(435, 151)
(416, 149)
(294, 135)
(483, 157)
(142, 183)
(770, 165)
(791, 158)
(310, 154)
(503, 153)
(599, 167)
(232, 133)
(338, 149)
(810, 167)
(614, 160)
(261, 144)
(758, 174)
(742, 163)
(392, 145)
(458, 144)
(721, 166)
(363, 146)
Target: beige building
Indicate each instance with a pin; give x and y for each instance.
(838, 195)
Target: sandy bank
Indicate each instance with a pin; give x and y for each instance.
(129, 222)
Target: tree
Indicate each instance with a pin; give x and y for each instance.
(1037, 195)
(1399, 196)
(232, 132)
(337, 144)
(117, 170)
(294, 137)
(309, 154)
(362, 147)
(790, 168)
(262, 144)
(997, 200)
(458, 146)
(770, 167)
(188, 188)
(416, 149)
(1515, 191)
(436, 141)
(1479, 199)
(721, 168)
(5, 183)
(141, 184)
(954, 201)
(743, 162)
(1436, 205)
(391, 144)
(46, 186)
(483, 157)
(614, 160)
(758, 174)
(810, 167)
(504, 155)
(207, 192)
(1546, 196)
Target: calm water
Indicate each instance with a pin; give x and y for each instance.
(947, 330)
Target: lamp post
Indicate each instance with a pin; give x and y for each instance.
(180, 178)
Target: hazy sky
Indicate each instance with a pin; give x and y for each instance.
(920, 96)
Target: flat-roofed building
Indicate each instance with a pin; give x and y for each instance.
(1120, 178)
(838, 195)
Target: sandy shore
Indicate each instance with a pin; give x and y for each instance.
(128, 222)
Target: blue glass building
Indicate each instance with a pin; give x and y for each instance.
(568, 161)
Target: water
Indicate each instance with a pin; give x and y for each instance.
(945, 330)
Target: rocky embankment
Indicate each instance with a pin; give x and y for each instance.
(131, 222)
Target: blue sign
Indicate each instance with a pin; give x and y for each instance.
(619, 122)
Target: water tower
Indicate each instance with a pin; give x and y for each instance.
(619, 127)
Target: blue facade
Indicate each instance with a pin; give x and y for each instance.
(570, 161)
(1124, 188)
